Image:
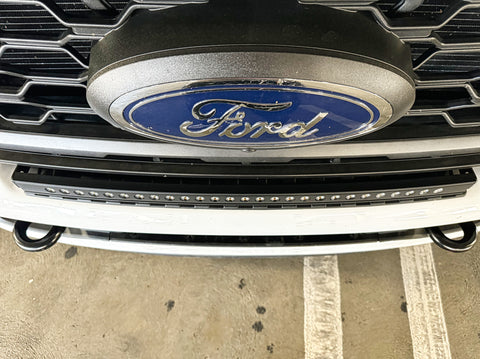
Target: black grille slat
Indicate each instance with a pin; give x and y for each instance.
(118, 4)
(57, 95)
(429, 9)
(418, 49)
(82, 47)
(460, 62)
(465, 25)
(441, 98)
(466, 115)
(41, 61)
(28, 20)
(73, 7)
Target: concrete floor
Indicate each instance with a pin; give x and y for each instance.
(72, 302)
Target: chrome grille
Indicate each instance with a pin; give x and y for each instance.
(47, 43)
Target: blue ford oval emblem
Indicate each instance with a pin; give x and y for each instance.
(253, 116)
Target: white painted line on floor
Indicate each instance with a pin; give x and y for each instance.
(323, 317)
(424, 303)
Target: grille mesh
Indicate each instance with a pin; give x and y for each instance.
(429, 9)
(458, 62)
(28, 20)
(465, 25)
(40, 45)
(42, 61)
(73, 7)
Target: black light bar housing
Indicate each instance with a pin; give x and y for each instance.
(238, 192)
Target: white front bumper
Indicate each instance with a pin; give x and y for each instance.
(15, 204)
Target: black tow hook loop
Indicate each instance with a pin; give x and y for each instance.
(462, 245)
(35, 245)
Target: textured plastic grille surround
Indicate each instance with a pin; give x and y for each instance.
(216, 44)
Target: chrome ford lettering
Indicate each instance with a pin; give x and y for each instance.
(249, 116)
(238, 128)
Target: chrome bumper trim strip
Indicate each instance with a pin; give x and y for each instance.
(105, 240)
(102, 147)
